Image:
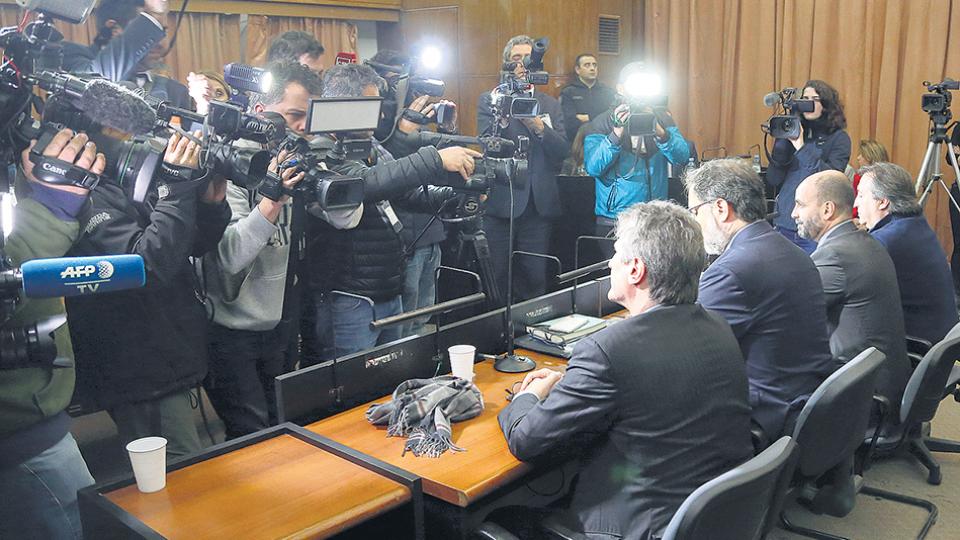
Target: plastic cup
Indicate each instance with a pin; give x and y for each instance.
(461, 360)
(149, 459)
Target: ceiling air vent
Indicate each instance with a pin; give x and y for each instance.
(609, 35)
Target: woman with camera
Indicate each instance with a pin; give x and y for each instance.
(822, 144)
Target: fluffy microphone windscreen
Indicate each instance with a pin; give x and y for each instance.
(117, 107)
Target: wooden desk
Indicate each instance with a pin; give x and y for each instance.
(458, 478)
(282, 487)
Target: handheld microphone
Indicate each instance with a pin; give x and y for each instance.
(75, 276)
(771, 99)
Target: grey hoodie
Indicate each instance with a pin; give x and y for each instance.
(246, 275)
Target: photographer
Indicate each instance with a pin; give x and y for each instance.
(536, 202)
(246, 275)
(421, 233)
(822, 145)
(119, 46)
(368, 261)
(141, 352)
(41, 468)
(630, 169)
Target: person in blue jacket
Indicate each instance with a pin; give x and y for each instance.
(629, 170)
(822, 145)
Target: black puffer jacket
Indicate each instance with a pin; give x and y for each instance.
(144, 343)
(368, 260)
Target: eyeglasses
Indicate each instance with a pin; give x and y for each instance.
(693, 209)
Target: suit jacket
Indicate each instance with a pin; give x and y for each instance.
(923, 275)
(657, 404)
(545, 157)
(769, 291)
(863, 304)
(118, 58)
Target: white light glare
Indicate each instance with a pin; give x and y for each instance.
(266, 82)
(643, 84)
(430, 57)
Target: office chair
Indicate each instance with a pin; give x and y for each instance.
(828, 432)
(737, 505)
(921, 397)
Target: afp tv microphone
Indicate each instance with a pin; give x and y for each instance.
(75, 276)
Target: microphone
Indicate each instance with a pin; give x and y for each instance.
(75, 276)
(116, 107)
(771, 99)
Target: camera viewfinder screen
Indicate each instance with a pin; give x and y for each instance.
(329, 115)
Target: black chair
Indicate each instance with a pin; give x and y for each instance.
(828, 432)
(738, 504)
(921, 397)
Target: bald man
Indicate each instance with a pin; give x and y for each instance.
(859, 280)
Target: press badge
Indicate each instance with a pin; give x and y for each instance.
(389, 216)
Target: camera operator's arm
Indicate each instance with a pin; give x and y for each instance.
(252, 224)
(429, 202)
(781, 160)
(552, 137)
(601, 149)
(484, 114)
(391, 179)
(213, 212)
(45, 217)
(669, 139)
(111, 224)
(121, 55)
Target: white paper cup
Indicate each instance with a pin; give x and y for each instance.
(461, 360)
(149, 459)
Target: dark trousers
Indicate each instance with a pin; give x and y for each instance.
(531, 232)
(604, 227)
(240, 381)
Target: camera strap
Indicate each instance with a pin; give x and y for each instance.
(415, 117)
(56, 171)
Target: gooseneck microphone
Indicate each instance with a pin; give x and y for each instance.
(75, 276)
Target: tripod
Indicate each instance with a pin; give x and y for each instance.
(930, 170)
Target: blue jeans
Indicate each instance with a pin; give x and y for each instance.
(39, 496)
(346, 321)
(807, 245)
(419, 287)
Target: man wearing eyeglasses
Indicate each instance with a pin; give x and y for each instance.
(767, 288)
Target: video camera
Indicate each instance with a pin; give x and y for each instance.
(787, 125)
(936, 103)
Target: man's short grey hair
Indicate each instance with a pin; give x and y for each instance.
(732, 180)
(893, 183)
(668, 240)
(835, 187)
(514, 41)
(349, 80)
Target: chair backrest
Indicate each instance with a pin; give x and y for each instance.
(735, 505)
(924, 390)
(832, 423)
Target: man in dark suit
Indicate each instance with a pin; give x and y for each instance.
(536, 202)
(782, 330)
(119, 47)
(859, 280)
(656, 403)
(889, 208)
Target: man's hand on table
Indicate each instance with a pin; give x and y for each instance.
(540, 382)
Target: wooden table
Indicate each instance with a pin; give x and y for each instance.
(281, 487)
(458, 478)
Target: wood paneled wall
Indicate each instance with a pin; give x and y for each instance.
(472, 33)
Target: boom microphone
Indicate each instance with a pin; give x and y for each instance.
(771, 99)
(118, 108)
(74, 276)
(102, 101)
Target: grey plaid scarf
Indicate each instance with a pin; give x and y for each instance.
(422, 409)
